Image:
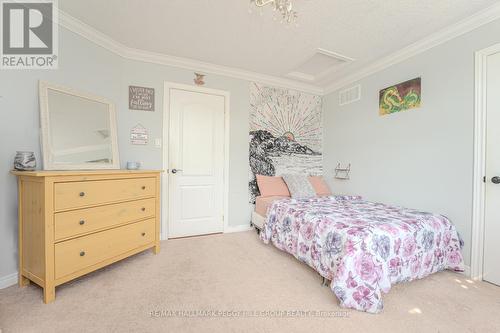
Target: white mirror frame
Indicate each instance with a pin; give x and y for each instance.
(45, 130)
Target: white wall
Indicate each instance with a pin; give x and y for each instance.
(422, 158)
(87, 67)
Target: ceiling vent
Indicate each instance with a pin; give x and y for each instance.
(350, 95)
(317, 66)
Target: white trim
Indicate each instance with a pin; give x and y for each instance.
(477, 250)
(166, 117)
(72, 24)
(455, 30)
(466, 271)
(8, 280)
(474, 21)
(237, 228)
(310, 77)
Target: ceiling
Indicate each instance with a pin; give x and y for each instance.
(223, 32)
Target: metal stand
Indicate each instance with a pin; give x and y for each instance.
(342, 173)
(325, 282)
(256, 229)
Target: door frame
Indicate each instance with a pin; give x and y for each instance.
(479, 186)
(166, 132)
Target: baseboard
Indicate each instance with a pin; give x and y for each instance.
(8, 280)
(238, 228)
(466, 271)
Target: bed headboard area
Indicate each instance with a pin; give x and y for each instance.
(286, 134)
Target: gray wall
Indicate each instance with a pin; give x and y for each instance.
(90, 68)
(422, 158)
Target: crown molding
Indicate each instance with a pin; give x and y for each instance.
(475, 21)
(76, 26)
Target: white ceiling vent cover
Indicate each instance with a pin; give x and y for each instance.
(350, 95)
(318, 65)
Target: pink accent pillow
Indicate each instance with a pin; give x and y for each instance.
(272, 186)
(320, 186)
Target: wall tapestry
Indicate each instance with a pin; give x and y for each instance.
(286, 133)
(401, 97)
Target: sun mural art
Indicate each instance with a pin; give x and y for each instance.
(286, 133)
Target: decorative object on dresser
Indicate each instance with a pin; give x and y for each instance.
(74, 222)
(78, 130)
(131, 165)
(25, 161)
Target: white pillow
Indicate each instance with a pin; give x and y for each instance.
(299, 186)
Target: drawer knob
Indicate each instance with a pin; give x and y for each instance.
(82, 222)
(82, 253)
(143, 209)
(144, 187)
(82, 194)
(143, 234)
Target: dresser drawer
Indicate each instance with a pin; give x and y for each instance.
(81, 194)
(77, 222)
(79, 253)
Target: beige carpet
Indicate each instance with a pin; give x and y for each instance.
(236, 272)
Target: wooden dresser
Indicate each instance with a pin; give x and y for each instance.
(74, 222)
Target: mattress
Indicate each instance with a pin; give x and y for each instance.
(263, 203)
(258, 220)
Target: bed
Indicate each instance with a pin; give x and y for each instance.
(362, 247)
(262, 205)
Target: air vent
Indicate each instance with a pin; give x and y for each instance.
(318, 65)
(350, 95)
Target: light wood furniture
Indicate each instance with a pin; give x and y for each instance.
(74, 222)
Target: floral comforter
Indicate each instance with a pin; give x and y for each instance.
(363, 247)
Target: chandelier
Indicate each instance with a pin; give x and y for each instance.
(283, 8)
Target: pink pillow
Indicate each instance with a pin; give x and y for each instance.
(319, 185)
(272, 186)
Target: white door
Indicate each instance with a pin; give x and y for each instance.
(491, 265)
(196, 163)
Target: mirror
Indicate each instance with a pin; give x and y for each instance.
(78, 130)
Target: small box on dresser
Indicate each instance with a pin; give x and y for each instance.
(74, 222)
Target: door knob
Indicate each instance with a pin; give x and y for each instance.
(175, 170)
(495, 180)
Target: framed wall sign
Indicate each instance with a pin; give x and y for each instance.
(139, 135)
(141, 98)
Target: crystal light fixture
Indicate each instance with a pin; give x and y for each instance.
(283, 8)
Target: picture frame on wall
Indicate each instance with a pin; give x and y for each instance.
(141, 98)
(400, 97)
